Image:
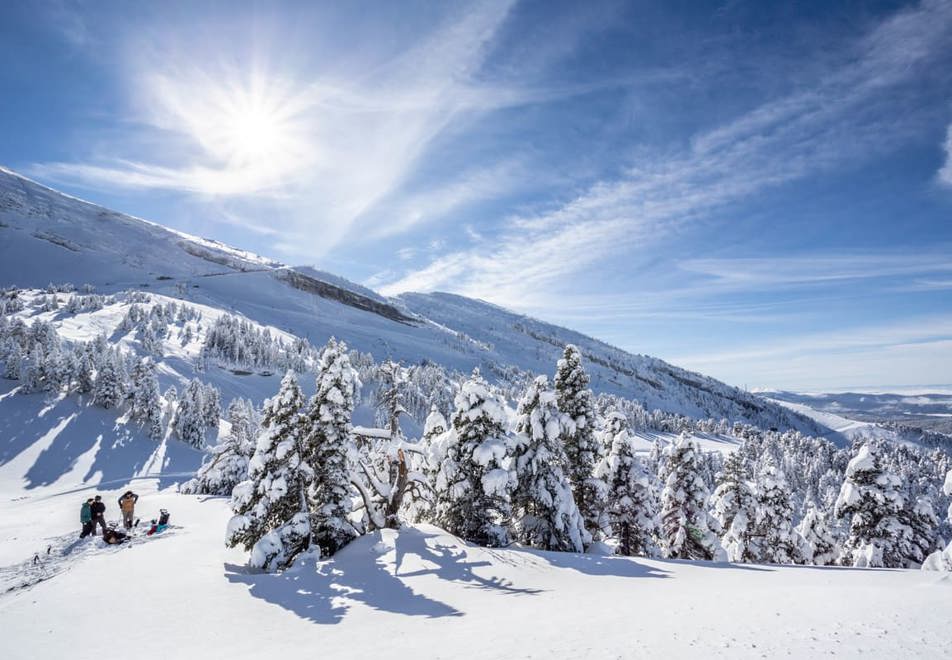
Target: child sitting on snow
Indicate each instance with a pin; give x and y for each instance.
(160, 524)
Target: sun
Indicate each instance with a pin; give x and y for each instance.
(253, 122)
(253, 130)
(246, 131)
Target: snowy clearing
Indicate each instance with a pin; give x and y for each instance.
(424, 593)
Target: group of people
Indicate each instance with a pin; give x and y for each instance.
(93, 514)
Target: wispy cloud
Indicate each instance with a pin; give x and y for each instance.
(866, 354)
(66, 17)
(330, 147)
(945, 173)
(807, 132)
(817, 268)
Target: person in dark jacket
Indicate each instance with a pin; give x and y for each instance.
(86, 518)
(127, 505)
(98, 509)
(113, 536)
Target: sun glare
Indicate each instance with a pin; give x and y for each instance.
(253, 134)
(256, 124)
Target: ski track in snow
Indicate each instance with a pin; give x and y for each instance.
(64, 552)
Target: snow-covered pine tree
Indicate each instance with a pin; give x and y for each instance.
(13, 361)
(685, 523)
(110, 387)
(734, 506)
(190, 416)
(872, 499)
(56, 371)
(474, 484)
(543, 508)
(922, 539)
(389, 396)
(31, 371)
(146, 403)
(823, 547)
(775, 539)
(581, 446)
(613, 424)
(431, 455)
(211, 406)
(85, 374)
(171, 406)
(329, 448)
(228, 465)
(941, 560)
(631, 509)
(272, 514)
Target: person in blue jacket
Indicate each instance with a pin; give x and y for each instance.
(86, 518)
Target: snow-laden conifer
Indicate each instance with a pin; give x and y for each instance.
(543, 507)
(631, 506)
(473, 483)
(272, 514)
(922, 538)
(85, 373)
(941, 560)
(110, 388)
(822, 546)
(685, 523)
(775, 539)
(146, 402)
(575, 400)
(432, 453)
(329, 446)
(872, 500)
(190, 415)
(12, 361)
(228, 464)
(211, 406)
(734, 506)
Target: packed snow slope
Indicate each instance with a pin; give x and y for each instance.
(47, 236)
(422, 593)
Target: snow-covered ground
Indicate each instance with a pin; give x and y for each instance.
(417, 593)
(832, 421)
(422, 593)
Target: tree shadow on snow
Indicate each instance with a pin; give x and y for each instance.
(71, 428)
(452, 563)
(615, 566)
(321, 592)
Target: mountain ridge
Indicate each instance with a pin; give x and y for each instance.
(48, 236)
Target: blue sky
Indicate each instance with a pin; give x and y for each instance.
(758, 191)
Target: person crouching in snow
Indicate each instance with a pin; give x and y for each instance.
(127, 505)
(98, 509)
(113, 536)
(86, 518)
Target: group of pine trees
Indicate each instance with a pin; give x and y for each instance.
(42, 361)
(557, 477)
(298, 491)
(237, 342)
(561, 473)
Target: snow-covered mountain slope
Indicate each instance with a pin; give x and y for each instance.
(46, 236)
(895, 418)
(422, 593)
(928, 408)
